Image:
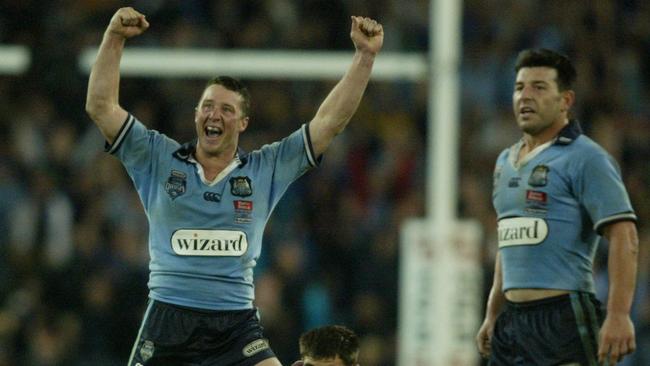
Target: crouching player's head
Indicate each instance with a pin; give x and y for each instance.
(332, 345)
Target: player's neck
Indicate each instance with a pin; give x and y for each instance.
(533, 141)
(213, 164)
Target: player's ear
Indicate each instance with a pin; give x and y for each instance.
(568, 98)
(243, 124)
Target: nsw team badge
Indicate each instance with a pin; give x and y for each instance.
(176, 184)
(539, 176)
(241, 186)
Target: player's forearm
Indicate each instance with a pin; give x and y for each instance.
(496, 299)
(104, 81)
(622, 268)
(495, 302)
(342, 102)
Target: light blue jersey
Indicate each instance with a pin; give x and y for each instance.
(551, 206)
(205, 237)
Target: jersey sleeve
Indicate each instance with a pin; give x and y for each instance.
(496, 173)
(289, 159)
(141, 150)
(601, 191)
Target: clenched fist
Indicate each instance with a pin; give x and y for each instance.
(127, 23)
(367, 35)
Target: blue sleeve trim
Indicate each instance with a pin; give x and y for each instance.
(124, 130)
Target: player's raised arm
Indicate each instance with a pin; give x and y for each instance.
(102, 103)
(341, 103)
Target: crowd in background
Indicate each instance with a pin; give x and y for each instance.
(73, 234)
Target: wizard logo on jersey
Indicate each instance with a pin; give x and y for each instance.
(176, 183)
(241, 186)
(539, 176)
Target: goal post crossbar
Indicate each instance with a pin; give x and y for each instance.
(257, 64)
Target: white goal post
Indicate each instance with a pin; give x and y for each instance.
(252, 64)
(441, 278)
(14, 59)
(440, 293)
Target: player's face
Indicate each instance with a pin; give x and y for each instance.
(219, 120)
(537, 101)
(308, 361)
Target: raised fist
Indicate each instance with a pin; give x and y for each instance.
(367, 35)
(127, 22)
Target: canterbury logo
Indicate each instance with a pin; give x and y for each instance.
(228, 243)
(522, 231)
(212, 196)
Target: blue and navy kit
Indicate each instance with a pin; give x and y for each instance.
(551, 207)
(205, 237)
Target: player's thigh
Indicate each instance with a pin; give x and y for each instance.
(503, 342)
(246, 345)
(171, 361)
(269, 362)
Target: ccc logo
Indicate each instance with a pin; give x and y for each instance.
(212, 196)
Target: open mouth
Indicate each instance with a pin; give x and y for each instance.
(526, 111)
(213, 131)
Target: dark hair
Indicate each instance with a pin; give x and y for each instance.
(566, 72)
(330, 341)
(235, 85)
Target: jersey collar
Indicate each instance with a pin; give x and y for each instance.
(569, 133)
(187, 151)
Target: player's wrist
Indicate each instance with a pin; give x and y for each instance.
(111, 35)
(364, 58)
(618, 313)
(366, 53)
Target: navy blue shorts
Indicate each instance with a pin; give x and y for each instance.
(176, 335)
(561, 330)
